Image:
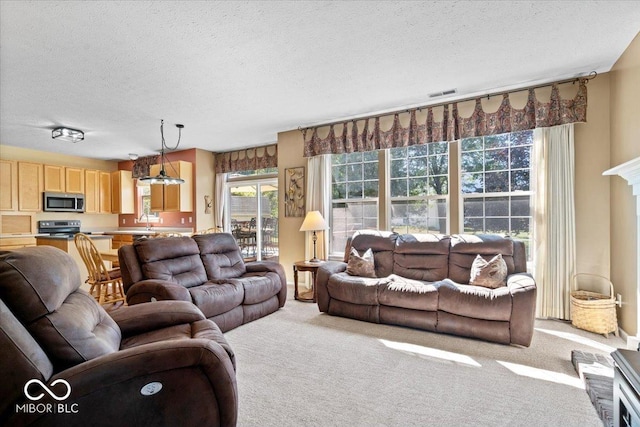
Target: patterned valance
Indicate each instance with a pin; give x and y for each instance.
(249, 159)
(142, 165)
(359, 135)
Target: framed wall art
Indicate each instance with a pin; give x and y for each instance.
(294, 192)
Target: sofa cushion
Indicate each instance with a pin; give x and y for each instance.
(381, 243)
(490, 274)
(355, 289)
(408, 293)
(173, 259)
(422, 256)
(258, 287)
(220, 255)
(474, 301)
(216, 298)
(465, 248)
(361, 265)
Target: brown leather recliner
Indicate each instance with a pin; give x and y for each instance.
(65, 361)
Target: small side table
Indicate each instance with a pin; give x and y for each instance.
(309, 296)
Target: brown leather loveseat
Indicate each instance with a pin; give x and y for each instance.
(205, 269)
(65, 361)
(422, 281)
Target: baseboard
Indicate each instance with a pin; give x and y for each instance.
(633, 342)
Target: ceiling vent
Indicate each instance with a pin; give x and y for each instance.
(443, 93)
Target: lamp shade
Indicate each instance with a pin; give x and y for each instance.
(313, 222)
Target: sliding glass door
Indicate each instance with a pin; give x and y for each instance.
(252, 217)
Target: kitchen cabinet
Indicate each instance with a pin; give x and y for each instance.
(63, 179)
(30, 185)
(10, 243)
(97, 191)
(53, 178)
(176, 197)
(91, 191)
(74, 180)
(120, 240)
(105, 192)
(21, 186)
(8, 185)
(17, 223)
(122, 192)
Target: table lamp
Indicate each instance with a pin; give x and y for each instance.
(314, 222)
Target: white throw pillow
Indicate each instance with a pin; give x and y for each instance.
(490, 274)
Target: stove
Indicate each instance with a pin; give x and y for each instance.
(61, 228)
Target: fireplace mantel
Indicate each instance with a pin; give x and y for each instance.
(630, 171)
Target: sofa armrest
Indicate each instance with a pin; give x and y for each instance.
(523, 290)
(322, 279)
(150, 316)
(109, 387)
(273, 267)
(160, 290)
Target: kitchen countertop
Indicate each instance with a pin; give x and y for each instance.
(92, 236)
(11, 236)
(142, 232)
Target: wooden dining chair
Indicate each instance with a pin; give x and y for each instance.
(106, 285)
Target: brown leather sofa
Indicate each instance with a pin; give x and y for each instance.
(205, 269)
(423, 282)
(65, 361)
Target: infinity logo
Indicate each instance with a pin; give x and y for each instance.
(47, 389)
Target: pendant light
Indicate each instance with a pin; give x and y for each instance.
(162, 177)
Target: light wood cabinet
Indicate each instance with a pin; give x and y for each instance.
(30, 185)
(120, 240)
(177, 197)
(104, 202)
(122, 192)
(10, 243)
(74, 180)
(21, 186)
(91, 191)
(63, 179)
(18, 223)
(8, 185)
(53, 178)
(97, 191)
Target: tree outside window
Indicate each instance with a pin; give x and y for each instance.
(495, 182)
(419, 183)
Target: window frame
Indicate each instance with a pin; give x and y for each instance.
(530, 193)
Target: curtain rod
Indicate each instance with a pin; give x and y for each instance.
(592, 75)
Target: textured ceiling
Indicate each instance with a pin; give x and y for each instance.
(237, 73)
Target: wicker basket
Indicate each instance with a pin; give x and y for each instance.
(592, 311)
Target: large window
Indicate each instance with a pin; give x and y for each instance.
(493, 175)
(419, 178)
(354, 196)
(495, 184)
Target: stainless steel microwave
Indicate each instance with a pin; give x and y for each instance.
(63, 202)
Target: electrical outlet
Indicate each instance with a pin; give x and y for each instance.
(124, 221)
(135, 220)
(190, 220)
(161, 221)
(619, 300)
(181, 220)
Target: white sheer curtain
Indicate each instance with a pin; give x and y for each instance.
(554, 217)
(221, 197)
(319, 199)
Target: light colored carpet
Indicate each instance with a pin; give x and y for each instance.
(300, 367)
